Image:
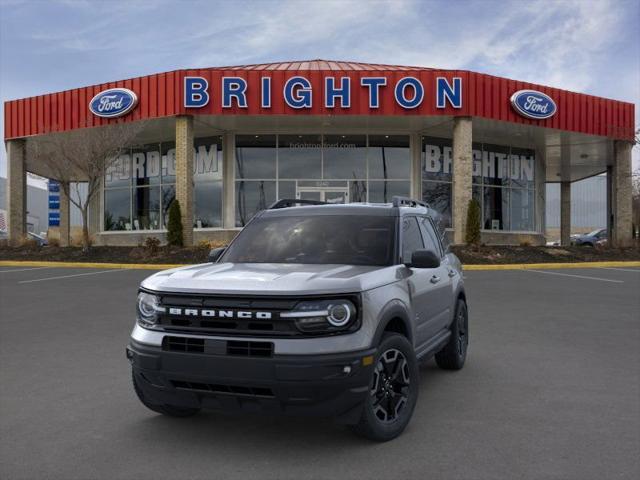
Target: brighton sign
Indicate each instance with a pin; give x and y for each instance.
(533, 104)
(113, 103)
(298, 93)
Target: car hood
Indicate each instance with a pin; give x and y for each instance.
(275, 279)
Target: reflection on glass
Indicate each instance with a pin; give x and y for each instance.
(146, 208)
(522, 164)
(300, 156)
(117, 203)
(118, 174)
(255, 156)
(522, 210)
(437, 163)
(345, 156)
(252, 197)
(168, 162)
(168, 195)
(208, 205)
(389, 156)
(383, 191)
(438, 196)
(145, 165)
(207, 160)
(496, 208)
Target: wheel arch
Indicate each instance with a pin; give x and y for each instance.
(394, 319)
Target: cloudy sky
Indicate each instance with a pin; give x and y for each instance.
(583, 45)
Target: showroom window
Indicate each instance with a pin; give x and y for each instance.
(503, 183)
(331, 168)
(140, 186)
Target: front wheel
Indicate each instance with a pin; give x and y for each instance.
(393, 391)
(454, 353)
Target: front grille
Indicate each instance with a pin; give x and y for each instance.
(183, 344)
(228, 389)
(250, 349)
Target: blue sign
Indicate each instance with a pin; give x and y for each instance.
(54, 203)
(114, 102)
(533, 104)
(54, 219)
(54, 187)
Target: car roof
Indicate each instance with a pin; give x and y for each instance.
(371, 209)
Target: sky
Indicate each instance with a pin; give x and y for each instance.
(590, 46)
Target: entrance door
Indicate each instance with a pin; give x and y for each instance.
(324, 194)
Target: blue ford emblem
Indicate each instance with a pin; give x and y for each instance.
(533, 104)
(114, 102)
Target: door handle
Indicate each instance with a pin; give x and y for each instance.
(452, 273)
(435, 279)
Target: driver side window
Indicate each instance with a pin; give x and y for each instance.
(411, 238)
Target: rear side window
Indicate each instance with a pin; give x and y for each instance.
(411, 238)
(429, 235)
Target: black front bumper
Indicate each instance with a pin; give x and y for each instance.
(315, 385)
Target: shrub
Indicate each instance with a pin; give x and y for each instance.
(152, 244)
(472, 236)
(174, 226)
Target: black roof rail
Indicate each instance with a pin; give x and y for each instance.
(408, 202)
(290, 202)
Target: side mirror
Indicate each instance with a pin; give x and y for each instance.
(424, 259)
(215, 254)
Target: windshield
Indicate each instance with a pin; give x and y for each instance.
(594, 233)
(341, 239)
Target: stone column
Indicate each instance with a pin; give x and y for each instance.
(184, 174)
(228, 181)
(620, 234)
(16, 191)
(462, 175)
(65, 216)
(416, 166)
(565, 213)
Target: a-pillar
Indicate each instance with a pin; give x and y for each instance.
(462, 175)
(65, 215)
(184, 174)
(565, 213)
(16, 191)
(621, 193)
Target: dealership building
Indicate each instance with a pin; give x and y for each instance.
(229, 141)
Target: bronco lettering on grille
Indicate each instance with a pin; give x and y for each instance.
(194, 312)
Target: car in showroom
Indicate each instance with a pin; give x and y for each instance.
(313, 309)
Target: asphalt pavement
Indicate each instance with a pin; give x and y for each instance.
(551, 390)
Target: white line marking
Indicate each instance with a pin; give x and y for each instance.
(637, 270)
(23, 269)
(69, 276)
(575, 276)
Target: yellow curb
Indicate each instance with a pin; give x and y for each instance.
(525, 266)
(132, 266)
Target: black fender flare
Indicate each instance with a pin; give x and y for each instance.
(394, 309)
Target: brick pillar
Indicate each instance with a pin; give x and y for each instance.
(228, 180)
(621, 185)
(16, 191)
(462, 174)
(65, 216)
(416, 166)
(565, 213)
(184, 174)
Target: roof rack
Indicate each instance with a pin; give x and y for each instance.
(290, 202)
(408, 202)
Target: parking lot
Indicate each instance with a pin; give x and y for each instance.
(551, 389)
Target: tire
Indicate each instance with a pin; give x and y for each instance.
(393, 390)
(169, 410)
(454, 353)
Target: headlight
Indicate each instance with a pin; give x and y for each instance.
(148, 309)
(323, 316)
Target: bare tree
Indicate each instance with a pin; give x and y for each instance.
(85, 156)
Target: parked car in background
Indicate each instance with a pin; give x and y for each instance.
(591, 239)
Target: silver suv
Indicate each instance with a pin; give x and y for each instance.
(315, 309)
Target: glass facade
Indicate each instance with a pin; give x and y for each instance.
(503, 183)
(332, 168)
(140, 186)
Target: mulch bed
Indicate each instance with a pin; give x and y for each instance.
(482, 255)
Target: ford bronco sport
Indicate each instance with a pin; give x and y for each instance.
(317, 309)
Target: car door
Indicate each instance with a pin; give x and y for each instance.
(443, 288)
(422, 283)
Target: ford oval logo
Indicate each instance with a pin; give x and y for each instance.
(114, 102)
(533, 104)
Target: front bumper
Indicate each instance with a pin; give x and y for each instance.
(316, 385)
